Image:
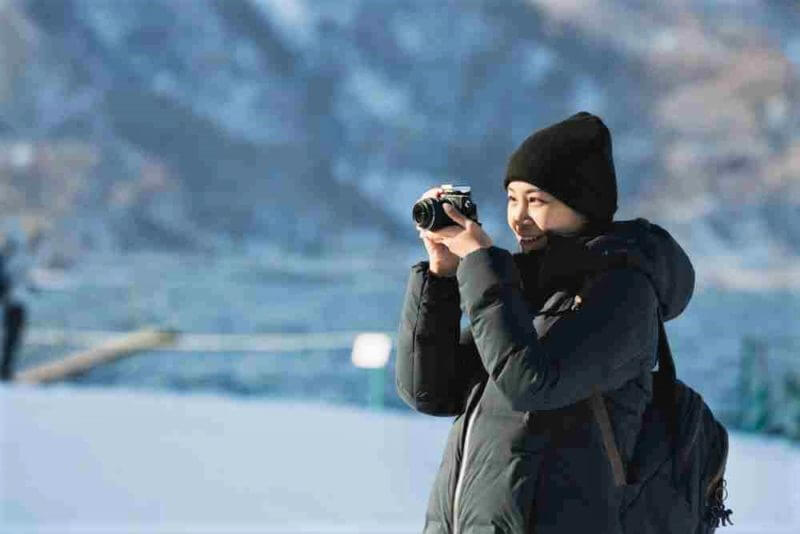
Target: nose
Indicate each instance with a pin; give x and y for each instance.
(520, 215)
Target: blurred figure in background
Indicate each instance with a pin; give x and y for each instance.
(17, 248)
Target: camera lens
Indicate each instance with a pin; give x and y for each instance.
(422, 212)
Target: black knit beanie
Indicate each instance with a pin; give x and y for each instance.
(572, 161)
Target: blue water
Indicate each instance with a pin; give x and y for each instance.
(250, 294)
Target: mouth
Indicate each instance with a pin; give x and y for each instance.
(529, 240)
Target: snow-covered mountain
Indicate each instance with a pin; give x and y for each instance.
(316, 124)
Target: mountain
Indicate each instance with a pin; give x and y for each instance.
(314, 125)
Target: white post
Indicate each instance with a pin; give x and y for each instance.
(371, 351)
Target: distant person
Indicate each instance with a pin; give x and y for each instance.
(15, 264)
(525, 453)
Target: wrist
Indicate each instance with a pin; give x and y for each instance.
(440, 272)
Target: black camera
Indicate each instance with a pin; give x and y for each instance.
(429, 214)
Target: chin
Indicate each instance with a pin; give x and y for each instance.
(531, 248)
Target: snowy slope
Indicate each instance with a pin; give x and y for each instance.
(100, 460)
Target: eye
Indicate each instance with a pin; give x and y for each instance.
(534, 200)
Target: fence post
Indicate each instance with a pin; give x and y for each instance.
(753, 387)
(792, 418)
(371, 352)
(376, 387)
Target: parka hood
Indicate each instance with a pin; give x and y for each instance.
(650, 248)
(638, 243)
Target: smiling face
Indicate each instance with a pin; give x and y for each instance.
(532, 211)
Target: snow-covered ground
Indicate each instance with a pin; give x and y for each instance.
(100, 460)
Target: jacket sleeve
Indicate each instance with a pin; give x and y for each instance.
(436, 365)
(603, 344)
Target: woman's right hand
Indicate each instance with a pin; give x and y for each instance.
(441, 261)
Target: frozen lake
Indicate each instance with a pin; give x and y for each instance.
(274, 293)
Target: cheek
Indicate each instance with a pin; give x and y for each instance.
(541, 216)
(511, 215)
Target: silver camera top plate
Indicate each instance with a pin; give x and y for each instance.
(450, 188)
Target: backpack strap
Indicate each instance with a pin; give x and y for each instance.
(600, 411)
(664, 379)
(666, 376)
(664, 382)
(598, 407)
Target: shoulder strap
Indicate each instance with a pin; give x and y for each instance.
(664, 381)
(600, 411)
(665, 378)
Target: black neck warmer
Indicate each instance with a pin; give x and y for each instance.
(561, 264)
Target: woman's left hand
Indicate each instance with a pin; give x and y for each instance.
(464, 237)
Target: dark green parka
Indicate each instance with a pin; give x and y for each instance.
(525, 453)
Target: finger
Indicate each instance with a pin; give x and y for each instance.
(456, 215)
(435, 240)
(450, 231)
(433, 237)
(434, 192)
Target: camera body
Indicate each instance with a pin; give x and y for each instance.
(429, 214)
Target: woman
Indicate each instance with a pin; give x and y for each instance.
(574, 312)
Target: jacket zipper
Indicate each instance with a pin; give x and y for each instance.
(461, 469)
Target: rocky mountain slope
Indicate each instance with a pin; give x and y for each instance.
(314, 125)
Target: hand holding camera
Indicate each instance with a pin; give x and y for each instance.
(442, 261)
(448, 223)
